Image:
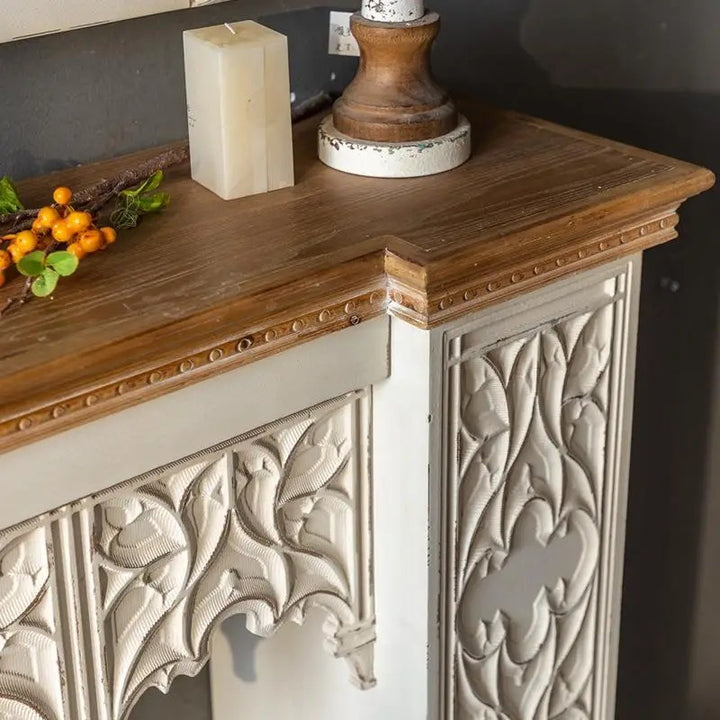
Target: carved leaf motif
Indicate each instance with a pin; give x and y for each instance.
(30, 664)
(485, 412)
(522, 393)
(24, 572)
(258, 478)
(591, 354)
(530, 471)
(523, 686)
(167, 531)
(13, 709)
(575, 632)
(486, 420)
(552, 383)
(153, 533)
(317, 457)
(269, 528)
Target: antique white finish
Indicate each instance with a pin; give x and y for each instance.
(31, 646)
(72, 579)
(393, 160)
(189, 420)
(500, 455)
(535, 497)
(393, 10)
(269, 524)
(406, 606)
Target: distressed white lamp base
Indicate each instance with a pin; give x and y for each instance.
(393, 160)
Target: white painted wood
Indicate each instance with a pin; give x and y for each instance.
(121, 591)
(287, 673)
(51, 472)
(24, 18)
(423, 497)
(393, 10)
(538, 402)
(500, 454)
(31, 658)
(393, 160)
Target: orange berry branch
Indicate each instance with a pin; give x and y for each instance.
(47, 243)
(60, 236)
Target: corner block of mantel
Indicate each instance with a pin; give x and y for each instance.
(413, 297)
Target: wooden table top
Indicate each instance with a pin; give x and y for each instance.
(209, 285)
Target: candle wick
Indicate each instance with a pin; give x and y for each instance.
(230, 28)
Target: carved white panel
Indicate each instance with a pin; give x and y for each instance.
(532, 471)
(267, 525)
(31, 670)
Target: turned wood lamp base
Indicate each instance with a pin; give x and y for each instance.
(394, 120)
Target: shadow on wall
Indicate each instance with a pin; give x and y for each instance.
(649, 75)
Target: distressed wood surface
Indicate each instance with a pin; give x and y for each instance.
(210, 285)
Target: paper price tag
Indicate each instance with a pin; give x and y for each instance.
(342, 41)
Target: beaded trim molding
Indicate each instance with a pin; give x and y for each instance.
(220, 357)
(397, 298)
(429, 310)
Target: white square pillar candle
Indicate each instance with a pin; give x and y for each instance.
(238, 96)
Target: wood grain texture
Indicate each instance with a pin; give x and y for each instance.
(256, 275)
(394, 98)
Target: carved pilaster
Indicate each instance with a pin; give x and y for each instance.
(534, 479)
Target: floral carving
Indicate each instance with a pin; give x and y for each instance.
(266, 527)
(30, 671)
(533, 420)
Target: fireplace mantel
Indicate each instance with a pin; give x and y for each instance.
(399, 402)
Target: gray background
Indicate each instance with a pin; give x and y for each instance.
(643, 72)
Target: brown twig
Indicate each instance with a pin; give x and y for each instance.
(19, 299)
(131, 177)
(26, 294)
(96, 196)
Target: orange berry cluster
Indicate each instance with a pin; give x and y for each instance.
(58, 223)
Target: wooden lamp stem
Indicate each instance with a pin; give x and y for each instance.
(394, 103)
(393, 97)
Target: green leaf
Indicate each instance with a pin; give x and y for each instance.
(64, 263)
(9, 200)
(147, 186)
(123, 218)
(32, 264)
(46, 283)
(153, 203)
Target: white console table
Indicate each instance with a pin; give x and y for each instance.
(402, 406)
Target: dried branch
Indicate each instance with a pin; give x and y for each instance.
(19, 299)
(96, 196)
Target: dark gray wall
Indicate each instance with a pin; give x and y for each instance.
(647, 73)
(110, 89)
